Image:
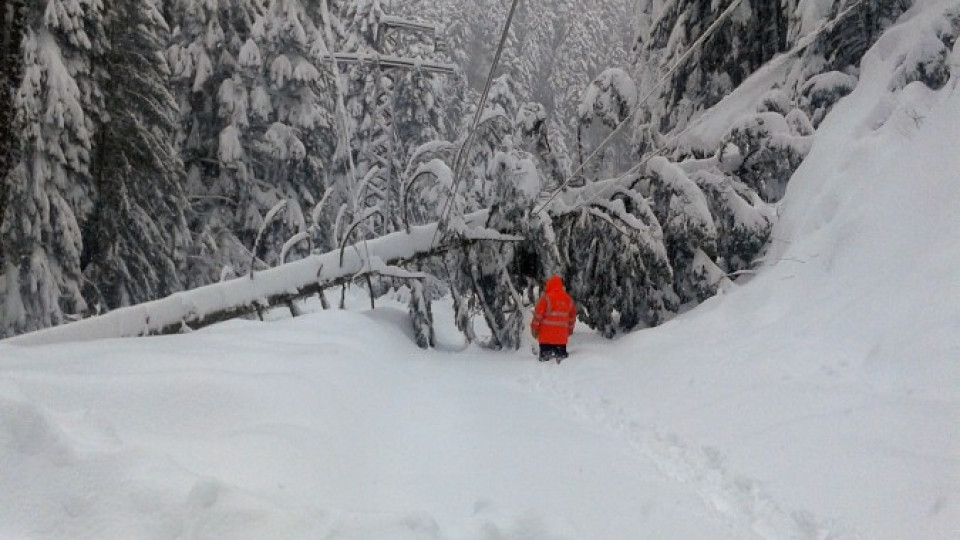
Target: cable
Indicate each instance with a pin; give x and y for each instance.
(461, 160)
(676, 65)
(800, 47)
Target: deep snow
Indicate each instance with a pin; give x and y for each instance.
(818, 399)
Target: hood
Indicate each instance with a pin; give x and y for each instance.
(554, 284)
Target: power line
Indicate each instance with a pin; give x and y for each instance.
(800, 47)
(656, 88)
(462, 154)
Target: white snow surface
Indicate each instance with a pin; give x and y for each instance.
(820, 399)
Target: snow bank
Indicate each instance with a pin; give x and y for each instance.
(824, 394)
(331, 425)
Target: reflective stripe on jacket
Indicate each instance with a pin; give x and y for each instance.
(555, 315)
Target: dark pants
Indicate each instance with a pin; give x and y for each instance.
(552, 352)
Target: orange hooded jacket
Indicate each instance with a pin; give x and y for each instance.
(555, 315)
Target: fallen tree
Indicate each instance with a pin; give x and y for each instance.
(277, 287)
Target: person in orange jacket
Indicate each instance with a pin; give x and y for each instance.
(553, 321)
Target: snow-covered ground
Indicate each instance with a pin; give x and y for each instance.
(819, 399)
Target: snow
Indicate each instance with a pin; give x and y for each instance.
(311, 430)
(230, 149)
(828, 82)
(706, 131)
(609, 96)
(250, 54)
(812, 14)
(687, 201)
(818, 399)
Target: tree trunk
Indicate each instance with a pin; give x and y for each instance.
(11, 36)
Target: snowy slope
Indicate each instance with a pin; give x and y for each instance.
(830, 384)
(820, 399)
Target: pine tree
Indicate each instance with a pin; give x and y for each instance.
(48, 190)
(388, 114)
(540, 136)
(292, 121)
(754, 34)
(555, 52)
(135, 242)
(616, 261)
(846, 43)
(495, 134)
(13, 17)
(214, 102)
(552, 52)
(496, 274)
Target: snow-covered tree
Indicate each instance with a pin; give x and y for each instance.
(258, 102)
(494, 275)
(689, 230)
(615, 261)
(769, 150)
(388, 112)
(214, 104)
(48, 189)
(553, 51)
(13, 17)
(427, 186)
(136, 238)
(607, 103)
(750, 37)
(540, 135)
(292, 115)
(494, 134)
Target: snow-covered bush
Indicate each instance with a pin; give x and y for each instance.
(927, 60)
(616, 264)
(744, 221)
(689, 232)
(821, 92)
(771, 149)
